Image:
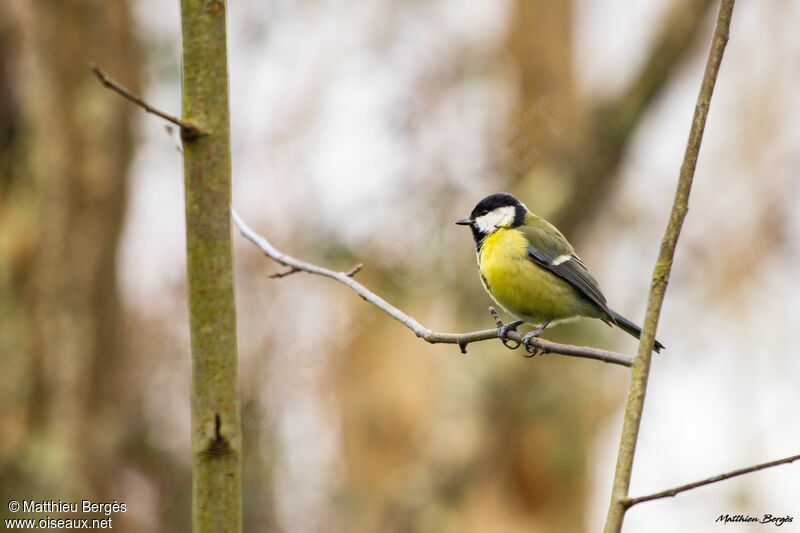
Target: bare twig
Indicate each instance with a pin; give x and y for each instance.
(355, 270)
(278, 275)
(658, 286)
(629, 502)
(433, 337)
(493, 312)
(188, 131)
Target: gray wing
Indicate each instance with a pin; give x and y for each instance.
(571, 269)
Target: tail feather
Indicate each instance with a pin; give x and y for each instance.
(631, 328)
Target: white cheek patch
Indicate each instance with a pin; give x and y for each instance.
(500, 217)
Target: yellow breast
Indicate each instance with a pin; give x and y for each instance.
(519, 286)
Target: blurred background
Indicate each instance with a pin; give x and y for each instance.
(360, 132)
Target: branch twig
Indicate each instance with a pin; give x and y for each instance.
(433, 337)
(278, 275)
(188, 131)
(630, 502)
(355, 270)
(658, 285)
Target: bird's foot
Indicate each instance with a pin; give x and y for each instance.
(502, 331)
(526, 340)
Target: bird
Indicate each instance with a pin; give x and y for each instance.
(532, 271)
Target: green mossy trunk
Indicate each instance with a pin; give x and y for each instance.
(216, 432)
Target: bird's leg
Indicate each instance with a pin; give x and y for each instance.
(503, 330)
(526, 340)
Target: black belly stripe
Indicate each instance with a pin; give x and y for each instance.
(485, 283)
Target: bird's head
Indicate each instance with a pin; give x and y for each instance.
(499, 210)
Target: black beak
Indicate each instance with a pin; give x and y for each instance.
(464, 222)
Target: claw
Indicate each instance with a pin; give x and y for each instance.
(510, 346)
(503, 330)
(532, 351)
(526, 340)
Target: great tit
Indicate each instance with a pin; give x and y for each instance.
(530, 269)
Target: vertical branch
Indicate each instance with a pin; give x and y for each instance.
(641, 366)
(216, 431)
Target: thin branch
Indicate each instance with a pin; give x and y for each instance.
(495, 316)
(278, 275)
(188, 131)
(355, 270)
(433, 337)
(658, 285)
(630, 502)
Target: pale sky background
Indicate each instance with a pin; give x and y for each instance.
(319, 93)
